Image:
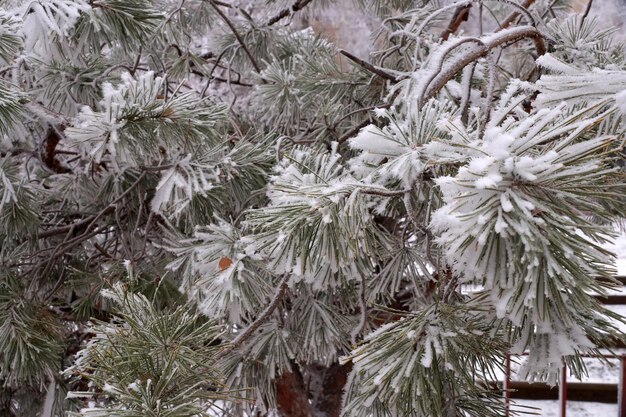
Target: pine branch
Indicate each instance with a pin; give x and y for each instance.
(507, 37)
(89, 222)
(382, 191)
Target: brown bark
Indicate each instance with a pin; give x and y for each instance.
(335, 379)
(48, 154)
(295, 400)
(292, 396)
(461, 14)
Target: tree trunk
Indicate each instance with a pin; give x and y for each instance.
(296, 399)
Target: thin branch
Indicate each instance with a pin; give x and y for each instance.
(370, 108)
(103, 251)
(64, 229)
(437, 12)
(491, 65)
(235, 82)
(237, 35)
(66, 245)
(244, 335)
(369, 67)
(466, 82)
(52, 117)
(17, 151)
(220, 79)
(383, 192)
(363, 316)
(90, 221)
(297, 6)
(586, 13)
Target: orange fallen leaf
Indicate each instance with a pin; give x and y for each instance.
(224, 263)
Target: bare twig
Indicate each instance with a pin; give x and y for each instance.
(297, 6)
(491, 65)
(466, 81)
(383, 192)
(237, 35)
(370, 108)
(103, 251)
(68, 244)
(437, 12)
(450, 46)
(369, 67)
(52, 117)
(586, 13)
(480, 19)
(90, 221)
(363, 316)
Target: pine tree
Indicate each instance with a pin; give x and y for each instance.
(205, 210)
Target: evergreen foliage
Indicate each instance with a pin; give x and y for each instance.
(205, 210)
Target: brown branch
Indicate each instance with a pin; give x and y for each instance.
(513, 16)
(461, 14)
(383, 192)
(297, 6)
(369, 67)
(220, 79)
(68, 244)
(102, 251)
(586, 13)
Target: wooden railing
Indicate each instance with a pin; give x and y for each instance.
(573, 391)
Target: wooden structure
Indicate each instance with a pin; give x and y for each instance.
(572, 391)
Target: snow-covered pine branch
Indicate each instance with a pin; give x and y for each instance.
(208, 208)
